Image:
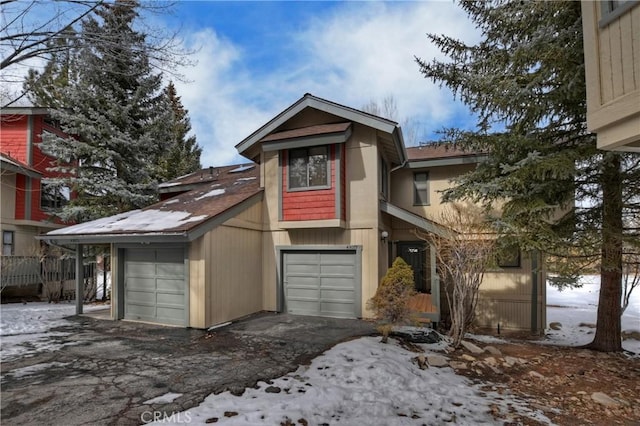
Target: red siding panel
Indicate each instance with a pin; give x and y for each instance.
(13, 137)
(315, 204)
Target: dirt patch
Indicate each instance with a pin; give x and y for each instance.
(572, 386)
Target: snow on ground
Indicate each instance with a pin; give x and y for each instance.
(576, 309)
(361, 382)
(25, 328)
(164, 399)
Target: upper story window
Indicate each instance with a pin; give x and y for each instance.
(8, 245)
(309, 168)
(53, 197)
(613, 9)
(384, 178)
(421, 189)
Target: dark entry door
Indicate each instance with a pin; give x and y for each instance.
(415, 254)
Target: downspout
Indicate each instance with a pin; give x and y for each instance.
(534, 292)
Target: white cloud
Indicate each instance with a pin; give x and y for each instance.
(359, 52)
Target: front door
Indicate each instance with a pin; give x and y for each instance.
(415, 254)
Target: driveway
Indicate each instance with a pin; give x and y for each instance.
(112, 367)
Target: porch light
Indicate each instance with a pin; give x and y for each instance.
(383, 236)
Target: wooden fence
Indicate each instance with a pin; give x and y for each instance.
(23, 271)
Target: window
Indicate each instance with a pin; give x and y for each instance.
(53, 197)
(509, 257)
(421, 189)
(613, 9)
(309, 168)
(8, 246)
(384, 178)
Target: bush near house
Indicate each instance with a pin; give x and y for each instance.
(391, 301)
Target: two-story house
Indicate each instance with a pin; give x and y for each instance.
(612, 66)
(26, 202)
(309, 227)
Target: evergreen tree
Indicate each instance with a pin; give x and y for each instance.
(525, 82)
(183, 154)
(118, 115)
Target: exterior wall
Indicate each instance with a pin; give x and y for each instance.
(361, 226)
(505, 298)
(439, 179)
(226, 282)
(8, 196)
(14, 137)
(612, 66)
(313, 204)
(505, 295)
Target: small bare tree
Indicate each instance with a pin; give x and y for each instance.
(463, 255)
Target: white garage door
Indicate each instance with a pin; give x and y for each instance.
(321, 283)
(155, 285)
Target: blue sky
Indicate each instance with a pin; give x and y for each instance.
(254, 59)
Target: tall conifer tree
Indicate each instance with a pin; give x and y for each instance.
(525, 82)
(118, 115)
(183, 154)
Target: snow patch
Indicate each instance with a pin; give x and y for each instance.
(34, 369)
(171, 201)
(242, 168)
(363, 382)
(213, 193)
(240, 180)
(164, 399)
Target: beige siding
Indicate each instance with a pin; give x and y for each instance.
(612, 66)
(402, 192)
(226, 271)
(506, 298)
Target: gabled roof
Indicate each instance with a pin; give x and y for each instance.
(441, 154)
(16, 166)
(182, 218)
(247, 147)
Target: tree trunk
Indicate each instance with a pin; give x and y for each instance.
(608, 326)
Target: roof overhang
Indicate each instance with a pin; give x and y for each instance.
(15, 167)
(308, 140)
(415, 220)
(25, 111)
(451, 161)
(249, 147)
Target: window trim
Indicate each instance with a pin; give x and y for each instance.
(11, 244)
(309, 188)
(611, 12)
(416, 201)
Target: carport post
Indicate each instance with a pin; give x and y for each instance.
(79, 279)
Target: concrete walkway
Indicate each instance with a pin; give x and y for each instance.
(112, 367)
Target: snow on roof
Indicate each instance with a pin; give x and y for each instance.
(135, 220)
(211, 193)
(242, 168)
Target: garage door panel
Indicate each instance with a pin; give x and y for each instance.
(170, 315)
(170, 269)
(141, 283)
(170, 285)
(337, 282)
(321, 283)
(168, 299)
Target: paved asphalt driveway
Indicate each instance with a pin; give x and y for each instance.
(113, 367)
